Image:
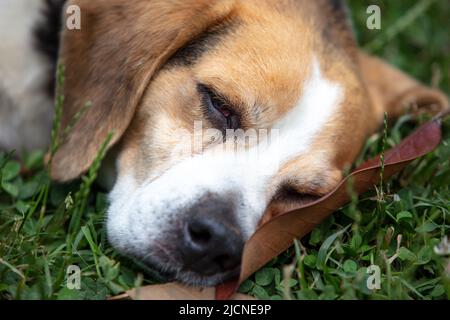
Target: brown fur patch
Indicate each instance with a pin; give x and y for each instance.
(110, 62)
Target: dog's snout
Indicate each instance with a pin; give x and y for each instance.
(212, 243)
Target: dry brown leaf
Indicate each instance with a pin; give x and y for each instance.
(175, 291)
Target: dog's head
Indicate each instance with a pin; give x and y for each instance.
(222, 110)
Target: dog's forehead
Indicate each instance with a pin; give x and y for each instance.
(263, 60)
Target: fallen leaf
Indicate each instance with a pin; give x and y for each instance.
(175, 291)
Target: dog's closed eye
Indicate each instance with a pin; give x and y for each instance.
(286, 199)
(288, 193)
(218, 110)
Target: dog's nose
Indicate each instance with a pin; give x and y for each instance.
(211, 244)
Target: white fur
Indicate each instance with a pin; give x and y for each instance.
(25, 108)
(139, 216)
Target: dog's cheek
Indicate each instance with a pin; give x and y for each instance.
(118, 214)
(327, 180)
(165, 123)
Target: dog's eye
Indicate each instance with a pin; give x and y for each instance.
(290, 194)
(218, 110)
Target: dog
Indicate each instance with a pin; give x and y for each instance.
(152, 69)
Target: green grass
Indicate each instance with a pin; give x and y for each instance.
(44, 228)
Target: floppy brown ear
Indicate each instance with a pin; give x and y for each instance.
(110, 61)
(393, 91)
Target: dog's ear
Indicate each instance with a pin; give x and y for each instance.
(110, 62)
(393, 91)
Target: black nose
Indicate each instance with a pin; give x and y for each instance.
(211, 243)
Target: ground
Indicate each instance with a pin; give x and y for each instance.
(44, 228)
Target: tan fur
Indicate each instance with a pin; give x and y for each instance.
(118, 62)
(245, 63)
(110, 61)
(394, 92)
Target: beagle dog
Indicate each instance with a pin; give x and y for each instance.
(220, 111)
